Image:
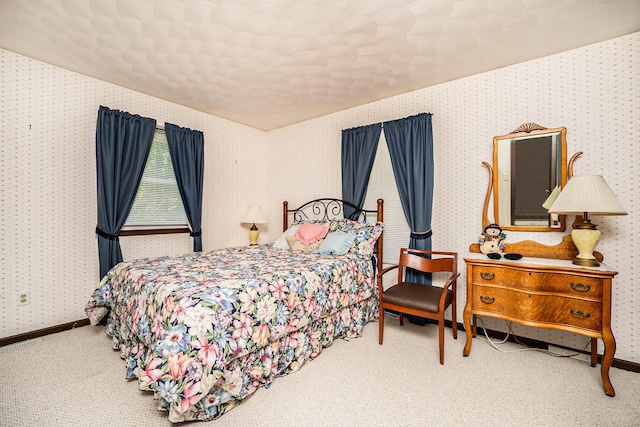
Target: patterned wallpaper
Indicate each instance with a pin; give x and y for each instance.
(47, 171)
(592, 91)
(48, 187)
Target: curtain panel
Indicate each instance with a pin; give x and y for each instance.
(123, 142)
(358, 151)
(186, 147)
(410, 142)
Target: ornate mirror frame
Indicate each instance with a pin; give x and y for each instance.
(528, 164)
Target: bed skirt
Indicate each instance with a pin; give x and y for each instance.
(227, 387)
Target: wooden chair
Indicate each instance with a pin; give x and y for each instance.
(429, 301)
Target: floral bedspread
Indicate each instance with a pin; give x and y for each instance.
(203, 331)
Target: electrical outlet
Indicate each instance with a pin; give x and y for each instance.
(23, 298)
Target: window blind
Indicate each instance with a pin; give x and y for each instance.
(158, 202)
(382, 184)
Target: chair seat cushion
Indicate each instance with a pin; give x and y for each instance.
(417, 296)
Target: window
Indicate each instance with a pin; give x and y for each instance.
(382, 184)
(158, 203)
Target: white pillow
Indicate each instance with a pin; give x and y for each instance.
(281, 243)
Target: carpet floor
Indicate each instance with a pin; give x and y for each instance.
(73, 378)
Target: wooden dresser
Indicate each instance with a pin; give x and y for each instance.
(543, 290)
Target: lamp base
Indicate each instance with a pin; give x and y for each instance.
(253, 235)
(585, 262)
(586, 240)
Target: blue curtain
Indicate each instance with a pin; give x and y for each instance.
(186, 147)
(410, 142)
(359, 146)
(123, 142)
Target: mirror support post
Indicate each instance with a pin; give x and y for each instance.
(485, 208)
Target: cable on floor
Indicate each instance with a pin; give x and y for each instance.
(510, 332)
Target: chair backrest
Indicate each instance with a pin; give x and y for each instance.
(427, 261)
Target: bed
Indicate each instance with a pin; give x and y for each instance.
(205, 330)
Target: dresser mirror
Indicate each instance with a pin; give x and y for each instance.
(528, 164)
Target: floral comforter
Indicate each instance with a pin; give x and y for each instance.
(205, 330)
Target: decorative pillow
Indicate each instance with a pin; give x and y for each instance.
(298, 246)
(336, 243)
(310, 233)
(281, 243)
(367, 234)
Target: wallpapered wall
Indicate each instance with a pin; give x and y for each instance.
(48, 170)
(48, 187)
(592, 91)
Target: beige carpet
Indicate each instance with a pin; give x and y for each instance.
(73, 378)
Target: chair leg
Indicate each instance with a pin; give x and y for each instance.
(401, 319)
(441, 339)
(381, 326)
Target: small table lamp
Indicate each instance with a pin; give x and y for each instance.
(254, 215)
(586, 195)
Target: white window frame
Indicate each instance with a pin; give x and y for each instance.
(159, 223)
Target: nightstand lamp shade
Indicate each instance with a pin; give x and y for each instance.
(254, 215)
(586, 195)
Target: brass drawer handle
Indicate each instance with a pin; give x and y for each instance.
(486, 299)
(579, 287)
(487, 276)
(580, 314)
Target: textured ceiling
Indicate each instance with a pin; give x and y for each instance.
(271, 63)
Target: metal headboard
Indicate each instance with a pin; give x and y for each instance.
(330, 208)
(324, 209)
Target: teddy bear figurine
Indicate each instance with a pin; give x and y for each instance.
(492, 240)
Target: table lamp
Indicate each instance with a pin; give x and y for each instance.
(254, 215)
(586, 195)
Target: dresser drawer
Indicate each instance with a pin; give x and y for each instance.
(567, 284)
(542, 308)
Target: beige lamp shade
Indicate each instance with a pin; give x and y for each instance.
(254, 215)
(547, 204)
(587, 194)
(552, 197)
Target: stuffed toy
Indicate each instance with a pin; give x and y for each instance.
(492, 241)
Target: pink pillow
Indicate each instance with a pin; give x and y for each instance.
(309, 233)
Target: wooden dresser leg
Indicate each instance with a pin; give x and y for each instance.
(594, 351)
(475, 326)
(466, 317)
(607, 359)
